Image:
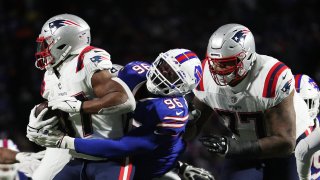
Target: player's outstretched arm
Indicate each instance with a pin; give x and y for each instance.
(134, 142)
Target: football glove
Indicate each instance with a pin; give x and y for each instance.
(215, 144)
(66, 104)
(54, 139)
(36, 124)
(231, 147)
(29, 162)
(188, 172)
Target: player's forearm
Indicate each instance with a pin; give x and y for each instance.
(7, 156)
(276, 146)
(128, 145)
(109, 101)
(118, 101)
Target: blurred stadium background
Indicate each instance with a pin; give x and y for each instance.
(288, 30)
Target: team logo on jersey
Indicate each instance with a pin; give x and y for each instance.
(97, 59)
(313, 84)
(54, 25)
(286, 86)
(240, 36)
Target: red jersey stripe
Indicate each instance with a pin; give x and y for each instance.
(269, 89)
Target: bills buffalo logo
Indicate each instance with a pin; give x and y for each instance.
(240, 36)
(197, 74)
(313, 84)
(286, 86)
(56, 24)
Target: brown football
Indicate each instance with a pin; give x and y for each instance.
(49, 114)
(64, 124)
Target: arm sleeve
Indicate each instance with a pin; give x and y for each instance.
(131, 144)
(95, 61)
(285, 86)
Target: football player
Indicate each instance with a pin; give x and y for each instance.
(159, 119)
(252, 96)
(308, 146)
(15, 165)
(77, 81)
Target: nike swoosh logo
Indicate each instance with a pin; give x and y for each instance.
(179, 113)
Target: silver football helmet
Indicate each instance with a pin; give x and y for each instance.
(175, 72)
(309, 91)
(8, 171)
(230, 53)
(59, 36)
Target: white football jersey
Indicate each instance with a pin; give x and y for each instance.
(73, 78)
(242, 107)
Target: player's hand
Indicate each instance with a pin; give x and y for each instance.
(29, 162)
(215, 144)
(52, 139)
(37, 123)
(188, 172)
(66, 104)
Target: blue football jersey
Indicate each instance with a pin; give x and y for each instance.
(134, 73)
(157, 143)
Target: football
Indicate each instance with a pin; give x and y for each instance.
(49, 114)
(63, 125)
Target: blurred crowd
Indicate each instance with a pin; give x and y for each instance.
(288, 30)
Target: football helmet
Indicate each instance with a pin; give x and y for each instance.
(230, 53)
(175, 72)
(60, 35)
(8, 171)
(309, 91)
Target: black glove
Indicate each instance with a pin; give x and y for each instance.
(188, 172)
(230, 147)
(215, 143)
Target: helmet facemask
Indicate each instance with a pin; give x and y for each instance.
(43, 55)
(163, 80)
(228, 70)
(313, 106)
(174, 73)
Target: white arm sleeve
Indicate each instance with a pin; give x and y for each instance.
(125, 107)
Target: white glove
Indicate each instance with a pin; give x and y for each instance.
(54, 139)
(37, 123)
(29, 162)
(66, 104)
(188, 172)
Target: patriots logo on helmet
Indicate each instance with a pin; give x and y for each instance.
(314, 84)
(240, 36)
(56, 24)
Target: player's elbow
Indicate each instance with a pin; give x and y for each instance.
(288, 145)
